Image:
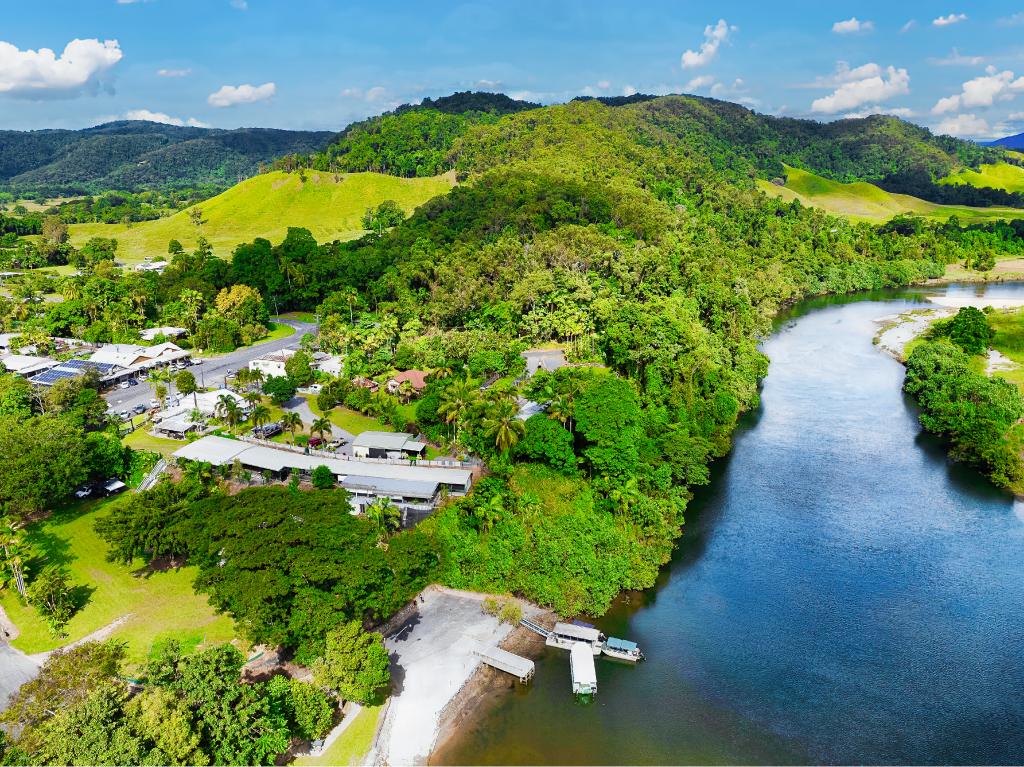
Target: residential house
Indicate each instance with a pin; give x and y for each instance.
(272, 364)
(387, 444)
(416, 377)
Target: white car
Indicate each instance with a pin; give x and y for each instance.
(83, 493)
(334, 444)
(125, 415)
(154, 404)
(124, 384)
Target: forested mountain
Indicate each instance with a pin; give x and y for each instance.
(899, 156)
(1009, 142)
(135, 154)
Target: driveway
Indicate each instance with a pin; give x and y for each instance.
(16, 668)
(213, 370)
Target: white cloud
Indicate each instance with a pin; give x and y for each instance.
(956, 59)
(241, 5)
(604, 85)
(843, 74)
(869, 90)
(714, 36)
(174, 72)
(982, 91)
(851, 26)
(962, 125)
(1015, 19)
(229, 95)
(945, 21)
(160, 117)
(908, 26)
(699, 82)
(40, 75)
(489, 85)
(376, 94)
(629, 90)
(1015, 116)
(736, 92)
(877, 110)
(351, 93)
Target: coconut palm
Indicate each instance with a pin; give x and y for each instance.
(406, 390)
(71, 289)
(456, 403)
(261, 415)
(559, 410)
(321, 426)
(291, 421)
(503, 426)
(16, 550)
(228, 409)
(253, 397)
(383, 518)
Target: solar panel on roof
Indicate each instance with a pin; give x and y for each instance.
(103, 367)
(52, 376)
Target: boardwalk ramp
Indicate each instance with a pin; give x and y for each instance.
(521, 668)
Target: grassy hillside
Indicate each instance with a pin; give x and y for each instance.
(866, 202)
(1009, 178)
(265, 206)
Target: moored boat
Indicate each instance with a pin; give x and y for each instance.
(621, 649)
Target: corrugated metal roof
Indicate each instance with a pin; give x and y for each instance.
(212, 449)
(383, 440)
(395, 486)
(577, 632)
(621, 644)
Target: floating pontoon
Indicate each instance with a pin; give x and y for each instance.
(621, 649)
(584, 676)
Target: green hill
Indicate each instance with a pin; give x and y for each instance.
(866, 202)
(134, 154)
(1009, 178)
(265, 206)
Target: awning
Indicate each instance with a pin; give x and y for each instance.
(621, 644)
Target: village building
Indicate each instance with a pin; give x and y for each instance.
(387, 444)
(273, 363)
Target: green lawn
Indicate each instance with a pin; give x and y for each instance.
(141, 440)
(265, 206)
(162, 605)
(352, 745)
(300, 316)
(349, 420)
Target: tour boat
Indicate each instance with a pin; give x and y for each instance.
(621, 649)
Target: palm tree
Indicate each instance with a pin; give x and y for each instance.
(490, 512)
(261, 415)
(253, 397)
(503, 426)
(351, 295)
(559, 410)
(383, 518)
(228, 409)
(71, 289)
(406, 389)
(625, 496)
(16, 550)
(321, 426)
(255, 377)
(456, 402)
(291, 421)
(242, 377)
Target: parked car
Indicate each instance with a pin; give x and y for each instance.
(124, 384)
(125, 415)
(197, 362)
(154, 404)
(315, 442)
(132, 382)
(140, 409)
(84, 492)
(334, 444)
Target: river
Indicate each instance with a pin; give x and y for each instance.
(842, 592)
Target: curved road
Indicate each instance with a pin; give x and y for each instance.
(213, 370)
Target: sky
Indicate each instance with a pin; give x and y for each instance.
(956, 67)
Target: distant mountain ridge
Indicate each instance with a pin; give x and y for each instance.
(1010, 142)
(135, 154)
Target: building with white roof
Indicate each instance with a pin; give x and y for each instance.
(411, 488)
(27, 365)
(272, 364)
(170, 332)
(387, 444)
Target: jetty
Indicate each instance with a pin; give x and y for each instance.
(567, 635)
(522, 668)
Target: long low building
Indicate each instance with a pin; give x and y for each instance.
(411, 488)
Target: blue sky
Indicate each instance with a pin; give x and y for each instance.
(954, 66)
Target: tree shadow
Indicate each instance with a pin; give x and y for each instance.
(81, 595)
(51, 548)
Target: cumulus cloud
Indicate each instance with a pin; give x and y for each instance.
(908, 26)
(41, 74)
(852, 26)
(174, 72)
(160, 117)
(604, 85)
(945, 21)
(629, 90)
(1015, 116)
(737, 92)
(700, 82)
(956, 59)
(489, 85)
(872, 89)
(1017, 18)
(982, 91)
(229, 95)
(351, 93)
(843, 74)
(376, 94)
(714, 36)
(962, 125)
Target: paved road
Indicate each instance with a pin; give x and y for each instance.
(16, 668)
(213, 370)
(300, 406)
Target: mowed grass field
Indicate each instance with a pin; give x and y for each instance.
(1009, 178)
(161, 604)
(265, 206)
(866, 202)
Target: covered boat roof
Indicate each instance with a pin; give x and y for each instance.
(621, 644)
(577, 632)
